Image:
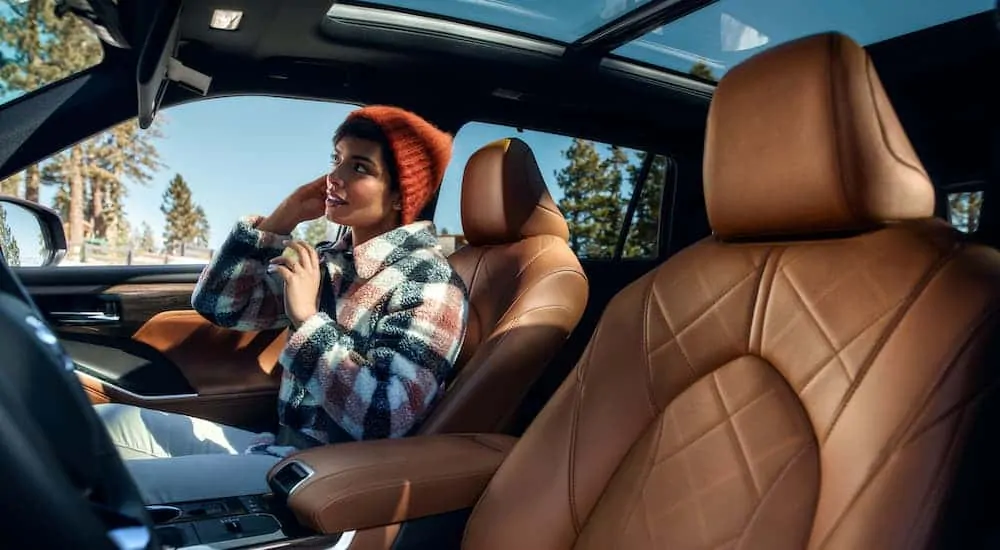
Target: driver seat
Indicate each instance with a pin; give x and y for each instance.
(806, 377)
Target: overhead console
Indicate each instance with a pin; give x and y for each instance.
(375, 483)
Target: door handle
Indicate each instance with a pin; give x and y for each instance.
(85, 317)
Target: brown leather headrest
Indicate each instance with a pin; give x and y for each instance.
(802, 139)
(504, 198)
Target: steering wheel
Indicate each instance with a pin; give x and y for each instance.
(64, 485)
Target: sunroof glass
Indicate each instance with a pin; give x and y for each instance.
(710, 41)
(559, 20)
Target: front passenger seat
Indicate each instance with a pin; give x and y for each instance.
(527, 290)
(806, 377)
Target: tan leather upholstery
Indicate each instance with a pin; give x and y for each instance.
(374, 483)
(527, 290)
(504, 197)
(214, 360)
(813, 148)
(772, 394)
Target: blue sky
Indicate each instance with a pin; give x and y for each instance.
(243, 155)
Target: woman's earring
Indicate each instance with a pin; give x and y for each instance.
(397, 206)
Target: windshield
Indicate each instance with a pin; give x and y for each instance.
(38, 48)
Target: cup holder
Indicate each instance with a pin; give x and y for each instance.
(163, 514)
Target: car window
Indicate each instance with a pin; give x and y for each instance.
(592, 183)
(170, 195)
(38, 48)
(964, 209)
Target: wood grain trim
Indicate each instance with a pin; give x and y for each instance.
(137, 304)
(140, 302)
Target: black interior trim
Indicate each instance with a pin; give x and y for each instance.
(633, 203)
(668, 215)
(154, 376)
(36, 278)
(443, 531)
(61, 114)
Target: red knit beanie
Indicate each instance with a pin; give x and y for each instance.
(420, 150)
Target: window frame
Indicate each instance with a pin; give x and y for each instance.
(965, 187)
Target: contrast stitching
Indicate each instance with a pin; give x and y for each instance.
(731, 428)
(904, 308)
(881, 123)
(770, 490)
(896, 439)
(837, 130)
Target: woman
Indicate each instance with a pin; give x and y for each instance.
(376, 320)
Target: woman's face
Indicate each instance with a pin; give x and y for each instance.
(358, 191)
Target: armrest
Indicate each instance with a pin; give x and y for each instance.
(365, 484)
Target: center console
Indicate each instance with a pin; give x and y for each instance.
(233, 522)
(323, 494)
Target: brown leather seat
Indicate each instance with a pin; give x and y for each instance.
(804, 378)
(527, 289)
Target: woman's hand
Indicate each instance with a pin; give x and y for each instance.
(298, 266)
(308, 202)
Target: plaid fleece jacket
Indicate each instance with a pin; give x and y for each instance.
(392, 316)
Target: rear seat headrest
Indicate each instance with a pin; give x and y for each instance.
(504, 197)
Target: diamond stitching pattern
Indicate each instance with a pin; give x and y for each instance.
(732, 424)
(675, 337)
(831, 325)
(708, 450)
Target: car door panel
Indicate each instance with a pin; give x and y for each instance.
(250, 411)
(135, 339)
(111, 301)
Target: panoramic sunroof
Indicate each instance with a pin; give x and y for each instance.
(559, 20)
(708, 42)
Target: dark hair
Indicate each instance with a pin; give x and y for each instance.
(364, 128)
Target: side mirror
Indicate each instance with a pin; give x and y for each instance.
(31, 235)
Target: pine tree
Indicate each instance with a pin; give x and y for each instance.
(202, 228)
(702, 71)
(592, 200)
(644, 232)
(11, 186)
(122, 154)
(121, 236)
(74, 169)
(143, 240)
(314, 232)
(182, 215)
(8, 244)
